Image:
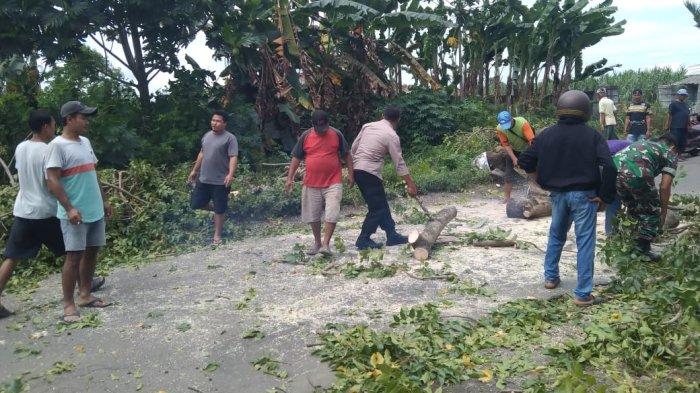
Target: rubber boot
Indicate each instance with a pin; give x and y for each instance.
(644, 246)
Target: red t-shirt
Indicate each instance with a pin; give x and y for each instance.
(322, 155)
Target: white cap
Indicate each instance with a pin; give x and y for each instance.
(682, 92)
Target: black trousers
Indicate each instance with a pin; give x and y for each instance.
(378, 214)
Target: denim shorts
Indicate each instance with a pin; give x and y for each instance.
(87, 234)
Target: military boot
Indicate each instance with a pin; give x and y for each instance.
(644, 246)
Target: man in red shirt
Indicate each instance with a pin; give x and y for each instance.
(321, 147)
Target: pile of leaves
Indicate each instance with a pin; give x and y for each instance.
(644, 337)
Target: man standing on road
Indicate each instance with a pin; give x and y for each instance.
(678, 120)
(321, 147)
(71, 177)
(515, 135)
(371, 145)
(638, 118)
(572, 161)
(213, 171)
(35, 209)
(606, 109)
(638, 166)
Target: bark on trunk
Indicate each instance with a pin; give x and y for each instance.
(423, 241)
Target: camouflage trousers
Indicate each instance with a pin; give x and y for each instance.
(640, 196)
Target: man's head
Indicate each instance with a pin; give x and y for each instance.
(601, 92)
(574, 104)
(505, 120)
(637, 96)
(668, 139)
(74, 116)
(682, 94)
(392, 114)
(219, 119)
(42, 124)
(319, 119)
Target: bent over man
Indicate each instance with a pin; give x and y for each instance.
(371, 145)
(515, 135)
(638, 166)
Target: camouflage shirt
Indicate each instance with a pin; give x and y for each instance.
(646, 159)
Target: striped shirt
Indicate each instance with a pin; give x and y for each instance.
(78, 176)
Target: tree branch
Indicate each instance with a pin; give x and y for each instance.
(107, 50)
(154, 75)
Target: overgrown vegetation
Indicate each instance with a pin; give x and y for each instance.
(643, 338)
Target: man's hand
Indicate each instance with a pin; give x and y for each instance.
(515, 160)
(648, 135)
(411, 189)
(351, 181)
(192, 178)
(601, 204)
(228, 180)
(108, 210)
(74, 216)
(288, 186)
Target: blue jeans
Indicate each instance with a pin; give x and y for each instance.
(610, 213)
(568, 207)
(635, 138)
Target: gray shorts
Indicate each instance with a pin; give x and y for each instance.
(87, 234)
(318, 203)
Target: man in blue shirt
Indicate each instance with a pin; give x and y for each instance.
(678, 120)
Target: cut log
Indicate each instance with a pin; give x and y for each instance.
(494, 243)
(423, 241)
(516, 207)
(537, 208)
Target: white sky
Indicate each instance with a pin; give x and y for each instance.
(657, 33)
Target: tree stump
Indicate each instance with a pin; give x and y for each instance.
(423, 241)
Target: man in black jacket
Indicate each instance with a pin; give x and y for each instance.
(573, 162)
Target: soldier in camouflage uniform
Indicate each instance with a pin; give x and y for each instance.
(637, 167)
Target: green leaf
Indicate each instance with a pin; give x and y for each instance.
(183, 327)
(211, 367)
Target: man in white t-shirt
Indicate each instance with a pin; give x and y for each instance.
(72, 178)
(606, 109)
(35, 208)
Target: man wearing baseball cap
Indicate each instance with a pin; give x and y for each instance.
(82, 207)
(515, 135)
(678, 120)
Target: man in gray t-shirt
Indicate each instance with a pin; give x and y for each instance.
(213, 171)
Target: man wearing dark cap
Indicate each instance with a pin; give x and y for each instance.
(371, 146)
(82, 207)
(638, 118)
(573, 162)
(322, 148)
(638, 166)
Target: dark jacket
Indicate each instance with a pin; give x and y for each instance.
(570, 156)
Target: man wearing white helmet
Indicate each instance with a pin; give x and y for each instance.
(678, 120)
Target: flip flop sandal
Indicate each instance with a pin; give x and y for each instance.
(97, 283)
(96, 303)
(75, 314)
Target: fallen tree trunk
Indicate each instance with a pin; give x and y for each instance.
(423, 241)
(494, 243)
